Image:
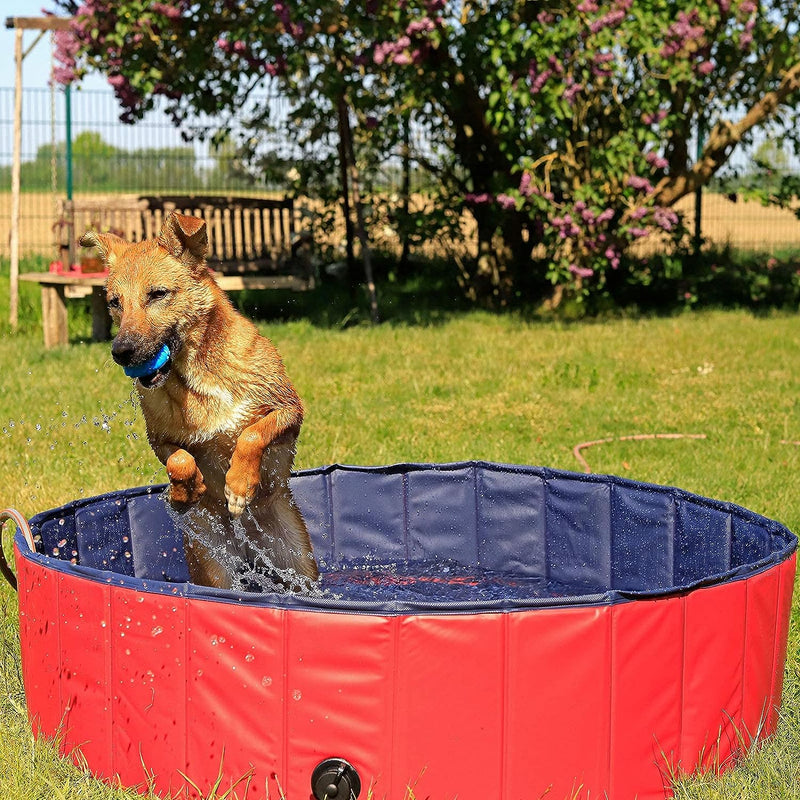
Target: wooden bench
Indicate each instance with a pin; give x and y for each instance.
(254, 243)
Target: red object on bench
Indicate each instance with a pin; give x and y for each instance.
(57, 268)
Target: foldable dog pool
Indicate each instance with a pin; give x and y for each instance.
(483, 631)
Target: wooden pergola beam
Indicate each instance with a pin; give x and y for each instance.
(39, 23)
(20, 25)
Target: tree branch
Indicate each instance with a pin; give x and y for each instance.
(722, 138)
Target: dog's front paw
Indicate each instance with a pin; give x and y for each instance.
(240, 489)
(186, 485)
(236, 502)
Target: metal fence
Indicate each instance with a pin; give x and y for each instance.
(152, 157)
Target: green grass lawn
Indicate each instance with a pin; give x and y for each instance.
(461, 386)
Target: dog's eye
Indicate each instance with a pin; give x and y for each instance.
(114, 302)
(154, 295)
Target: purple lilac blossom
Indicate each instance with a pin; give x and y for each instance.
(609, 20)
(656, 161)
(424, 25)
(537, 79)
(169, 11)
(506, 202)
(571, 91)
(665, 218)
(683, 31)
(640, 184)
(478, 199)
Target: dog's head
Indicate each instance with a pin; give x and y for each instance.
(156, 291)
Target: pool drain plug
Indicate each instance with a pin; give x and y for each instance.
(335, 779)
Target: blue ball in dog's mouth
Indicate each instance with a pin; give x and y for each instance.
(148, 370)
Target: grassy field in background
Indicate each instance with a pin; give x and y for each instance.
(745, 224)
(463, 386)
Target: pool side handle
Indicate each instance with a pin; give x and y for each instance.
(21, 523)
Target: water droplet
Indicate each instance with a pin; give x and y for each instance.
(157, 630)
(249, 657)
(297, 694)
(266, 681)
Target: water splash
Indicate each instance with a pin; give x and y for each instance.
(249, 563)
(67, 440)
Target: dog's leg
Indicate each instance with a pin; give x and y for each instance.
(186, 484)
(244, 475)
(289, 521)
(204, 569)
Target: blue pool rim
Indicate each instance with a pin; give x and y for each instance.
(782, 542)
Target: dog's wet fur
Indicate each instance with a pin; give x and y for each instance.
(221, 414)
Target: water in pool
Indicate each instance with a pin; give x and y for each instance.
(440, 582)
(371, 580)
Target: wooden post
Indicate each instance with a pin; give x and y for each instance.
(13, 293)
(101, 320)
(54, 315)
(20, 24)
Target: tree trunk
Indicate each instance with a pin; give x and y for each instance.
(406, 190)
(361, 232)
(345, 183)
(490, 283)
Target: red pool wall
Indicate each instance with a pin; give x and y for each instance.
(142, 687)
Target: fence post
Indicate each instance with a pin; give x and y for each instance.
(68, 137)
(13, 316)
(72, 257)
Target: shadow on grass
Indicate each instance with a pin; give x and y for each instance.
(427, 293)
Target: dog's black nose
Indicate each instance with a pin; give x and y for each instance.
(122, 351)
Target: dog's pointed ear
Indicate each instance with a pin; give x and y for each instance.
(107, 245)
(185, 238)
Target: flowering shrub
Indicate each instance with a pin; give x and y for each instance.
(562, 128)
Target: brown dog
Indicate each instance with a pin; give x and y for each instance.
(221, 413)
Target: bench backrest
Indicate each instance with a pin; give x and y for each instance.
(244, 233)
(241, 230)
